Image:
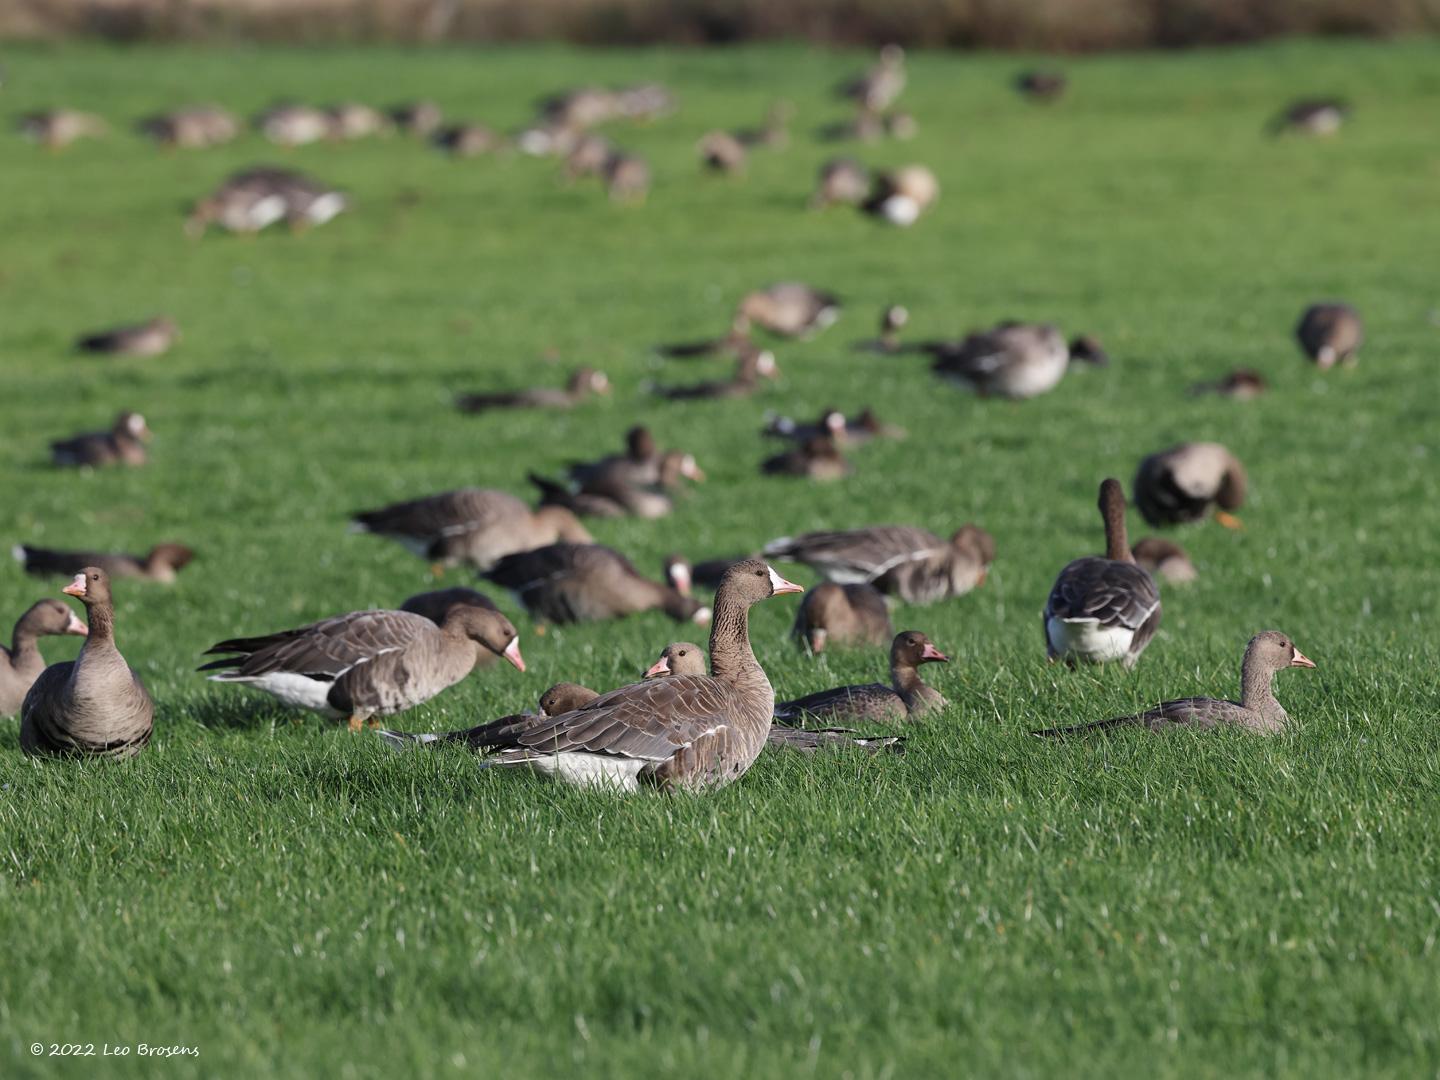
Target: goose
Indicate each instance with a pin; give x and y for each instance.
(611, 495)
(191, 127)
(419, 118)
(560, 698)
(479, 526)
(123, 444)
(152, 338)
(161, 564)
(849, 431)
(899, 560)
(1042, 86)
(1012, 360)
(1320, 116)
(1162, 558)
(1242, 384)
(1257, 711)
(351, 120)
(290, 125)
(1103, 608)
(467, 140)
(582, 383)
(842, 615)
(307, 201)
(906, 698)
(878, 88)
(752, 366)
(244, 203)
(587, 157)
(1330, 334)
(842, 180)
(817, 458)
(58, 128)
(21, 664)
(582, 108)
(627, 178)
(1180, 485)
(569, 583)
(366, 664)
(900, 196)
(642, 465)
(94, 705)
(722, 152)
(789, 309)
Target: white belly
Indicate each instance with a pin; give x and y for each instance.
(291, 690)
(589, 770)
(1086, 639)
(325, 207)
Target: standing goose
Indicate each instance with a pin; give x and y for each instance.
(581, 384)
(1012, 360)
(161, 564)
(841, 180)
(1162, 558)
(842, 615)
(1257, 711)
(817, 458)
(752, 366)
(143, 339)
(899, 560)
(569, 583)
(906, 698)
(1179, 486)
(21, 664)
(475, 525)
(1330, 334)
(95, 705)
(123, 444)
(367, 663)
(1103, 609)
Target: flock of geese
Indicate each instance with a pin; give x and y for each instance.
(688, 723)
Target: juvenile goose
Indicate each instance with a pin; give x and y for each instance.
(752, 366)
(1162, 558)
(1013, 360)
(58, 128)
(1103, 608)
(906, 698)
(1257, 711)
(899, 560)
(1330, 334)
(842, 180)
(1180, 485)
(582, 383)
(292, 125)
(475, 525)
(162, 563)
(95, 705)
(1242, 384)
(21, 664)
(151, 338)
(191, 127)
(569, 583)
(123, 444)
(1320, 116)
(367, 664)
(817, 458)
(842, 615)
(902, 195)
(878, 88)
(1043, 86)
(789, 309)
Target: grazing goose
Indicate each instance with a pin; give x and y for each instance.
(95, 705)
(684, 732)
(123, 444)
(1242, 384)
(581, 384)
(906, 698)
(722, 152)
(817, 458)
(878, 88)
(151, 338)
(842, 180)
(842, 615)
(162, 563)
(468, 140)
(789, 309)
(1257, 711)
(570, 583)
(437, 605)
(752, 366)
(902, 195)
(351, 120)
(419, 118)
(613, 496)
(1013, 360)
(367, 664)
(21, 664)
(291, 125)
(1330, 334)
(911, 563)
(475, 525)
(1180, 485)
(58, 128)
(1321, 116)
(1162, 558)
(191, 127)
(1103, 608)
(892, 321)
(1043, 86)
(627, 178)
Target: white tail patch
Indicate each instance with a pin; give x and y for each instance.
(1086, 639)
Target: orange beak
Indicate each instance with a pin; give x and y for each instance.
(1301, 660)
(76, 626)
(932, 653)
(76, 587)
(512, 653)
(781, 586)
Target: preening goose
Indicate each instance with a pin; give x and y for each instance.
(906, 698)
(123, 444)
(1257, 711)
(21, 664)
(568, 583)
(1330, 334)
(1181, 485)
(1103, 608)
(581, 384)
(1162, 558)
(1013, 360)
(161, 564)
(834, 614)
(899, 560)
(95, 705)
(151, 338)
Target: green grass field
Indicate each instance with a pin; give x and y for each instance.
(296, 901)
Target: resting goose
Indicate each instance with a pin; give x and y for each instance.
(899, 560)
(421, 118)
(1162, 558)
(95, 705)
(817, 458)
(722, 152)
(291, 125)
(906, 698)
(752, 366)
(1330, 334)
(1321, 116)
(900, 196)
(789, 309)
(1012, 360)
(1257, 711)
(151, 338)
(560, 698)
(842, 180)
(569, 583)
(475, 525)
(613, 495)
(123, 444)
(1103, 608)
(58, 128)
(21, 664)
(878, 88)
(1180, 485)
(842, 615)
(242, 204)
(367, 664)
(161, 564)
(582, 383)
(468, 140)
(1043, 86)
(352, 120)
(848, 431)
(1242, 384)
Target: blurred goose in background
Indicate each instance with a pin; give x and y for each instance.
(142, 339)
(468, 140)
(569, 583)
(752, 366)
(587, 157)
(1330, 334)
(722, 152)
(1257, 711)
(842, 180)
(901, 195)
(162, 563)
(789, 309)
(290, 125)
(1103, 608)
(878, 88)
(644, 101)
(1043, 86)
(851, 431)
(582, 383)
(191, 127)
(351, 120)
(1163, 558)
(21, 664)
(642, 465)
(419, 118)
(58, 128)
(627, 177)
(892, 321)
(1181, 485)
(244, 203)
(817, 458)
(1013, 360)
(906, 698)
(123, 444)
(899, 560)
(1319, 116)
(612, 495)
(834, 614)
(1242, 384)
(437, 605)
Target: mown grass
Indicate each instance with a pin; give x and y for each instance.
(294, 901)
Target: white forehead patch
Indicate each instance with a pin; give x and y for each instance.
(776, 581)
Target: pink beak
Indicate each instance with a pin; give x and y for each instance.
(512, 653)
(660, 667)
(781, 586)
(932, 653)
(76, 587)
(1301, 660)
(76, 626)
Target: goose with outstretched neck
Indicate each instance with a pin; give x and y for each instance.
(95, 705)
(906, 698)
(21, 664)
(1103, 608)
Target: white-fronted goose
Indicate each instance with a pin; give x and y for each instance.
(1103, 608)
(582, 383)
(642, 465)
(1242, 384)
(95, 705)
(722, 152)
(817, 458)
(1181, 485)
(892, 321)
(1257, 711)
(468, 140)
(420, 118)
(245, 203)
(847, 431)
(475, 525)
(1042, 86)
(352, 120)
(307, 201)
(292, 125)
(437, 604)
(1012, 360)
(1319, 116)
(878, 88)
(834, 614)
(569, 583)
(123, 444)
(842, 180)
(619, 492)
(687, 732)
(1162, 558)
(900, 196)
(21, 664)
(752, 366)
(906, 698)
(191, 127)
(627, 177)
(788, 308)
(1330, 334)
(587, 157)
(142, 339)
(899, 560)
(58, 128)
(644, 101)
(162, 563)
(366, 664)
